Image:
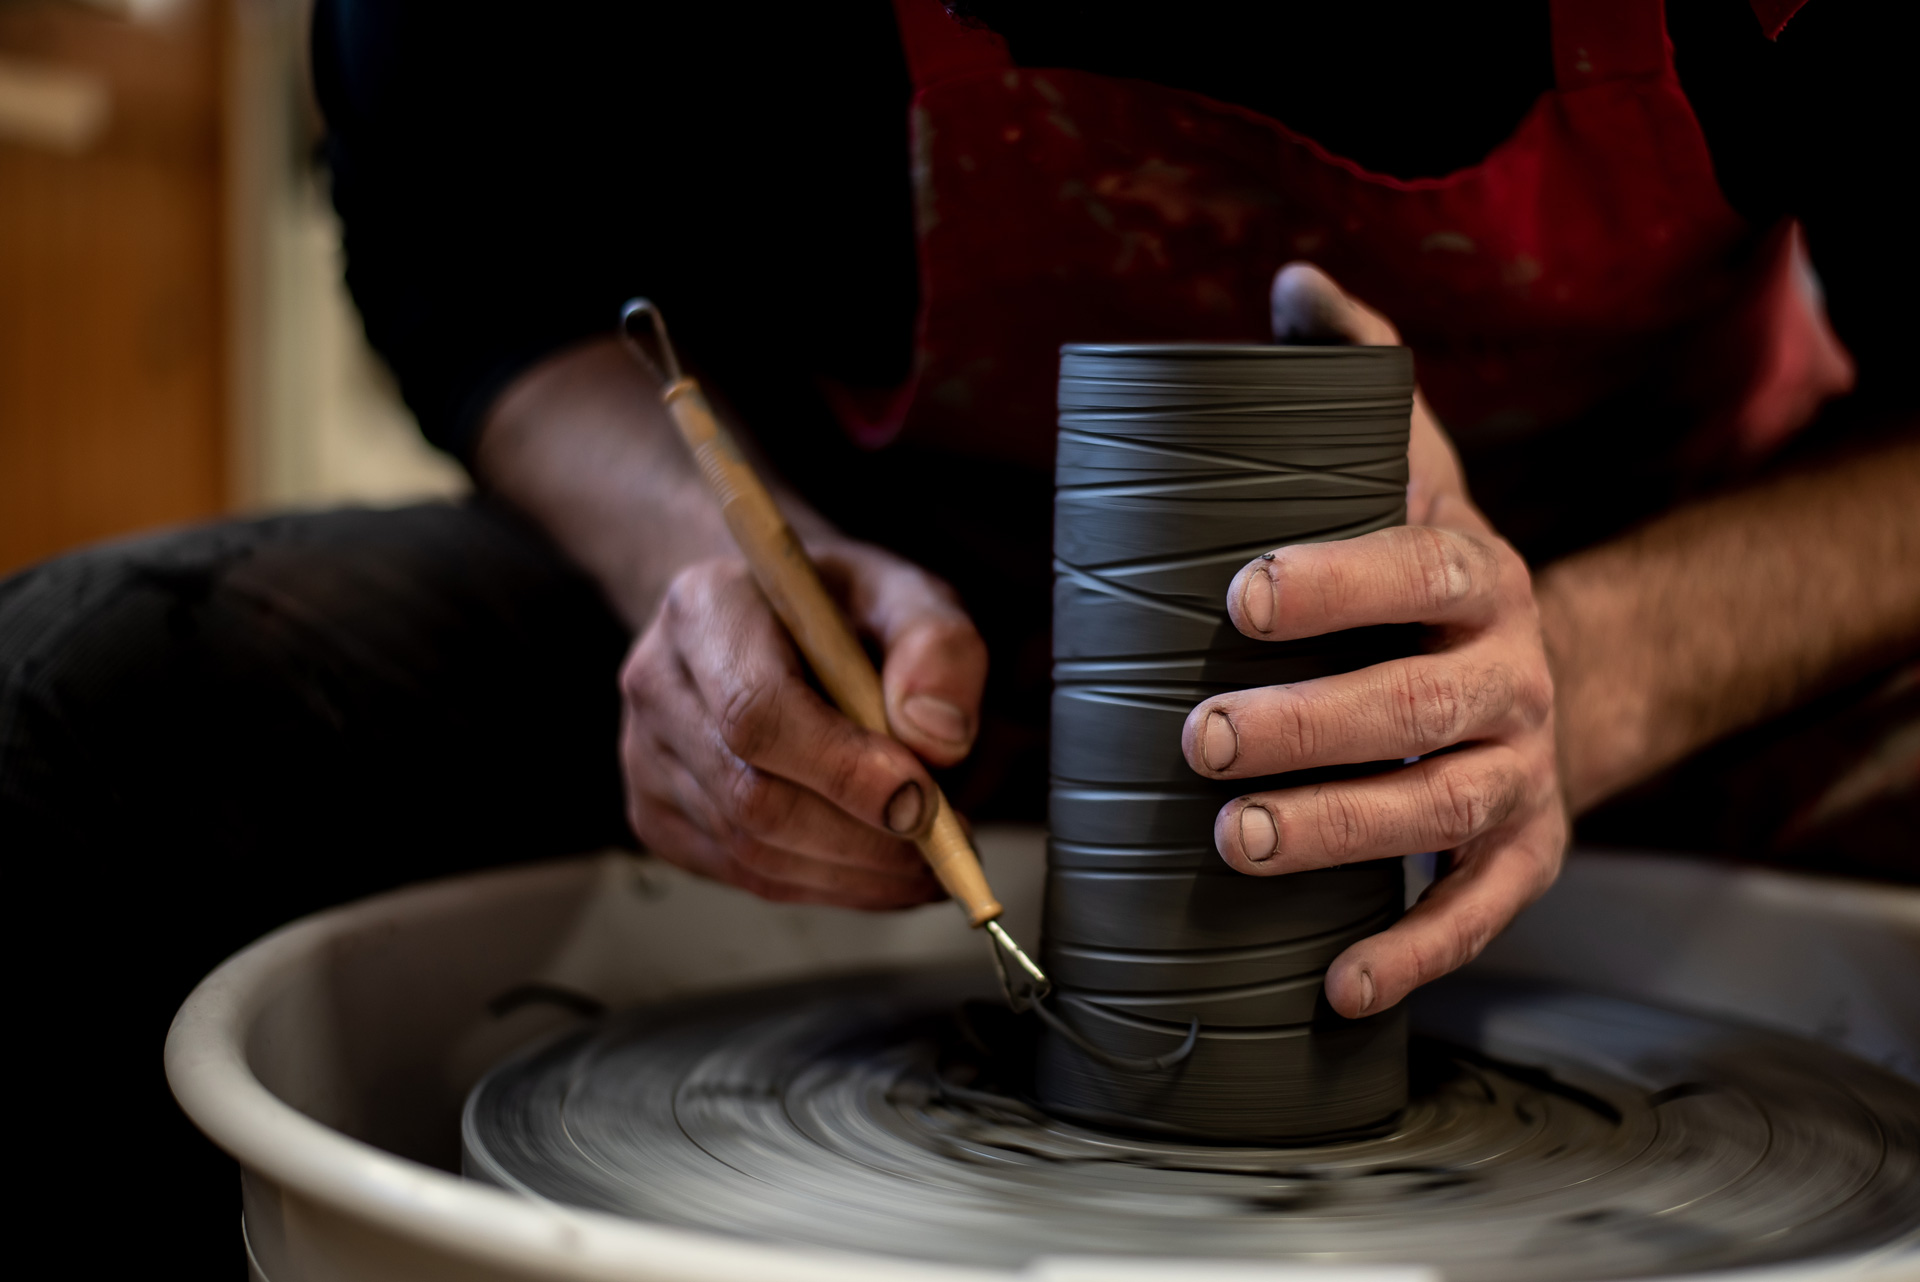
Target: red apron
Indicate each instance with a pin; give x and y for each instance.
(1589, 254)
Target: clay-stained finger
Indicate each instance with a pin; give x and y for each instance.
(1307, 306)
(935, 664)
(1435, 804)
(1405, 708)
(1408, 574)
(776, 875)
(748, 677)
(679, 754)
(1454, 920)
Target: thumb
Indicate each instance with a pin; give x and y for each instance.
(935, 664)
(1309, 308)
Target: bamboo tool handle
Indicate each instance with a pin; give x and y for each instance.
(785, 573)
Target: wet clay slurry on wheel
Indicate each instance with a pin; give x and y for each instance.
(1548, 1134)
(1177, 465)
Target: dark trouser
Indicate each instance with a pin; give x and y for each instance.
(207, 733)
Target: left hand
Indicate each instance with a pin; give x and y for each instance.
(1477, 708)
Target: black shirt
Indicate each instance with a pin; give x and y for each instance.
(508, 174)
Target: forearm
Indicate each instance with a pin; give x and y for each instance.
(582, 446)
(1728, 611)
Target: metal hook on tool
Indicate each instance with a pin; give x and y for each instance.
(1034, 984)
(1027, 987)
(1125, 1063)
(668, 366)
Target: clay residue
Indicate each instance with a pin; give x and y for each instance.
(1548, 1133)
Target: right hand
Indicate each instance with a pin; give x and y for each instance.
(736, 768)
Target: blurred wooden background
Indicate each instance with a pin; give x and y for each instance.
(112, 380)
(174, 340)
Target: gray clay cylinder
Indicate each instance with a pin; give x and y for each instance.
(1177, 465)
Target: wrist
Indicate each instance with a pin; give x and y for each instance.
(636, 559)
(1601, 711)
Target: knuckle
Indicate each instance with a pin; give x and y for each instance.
(1533, 696)
(1504, 560)
(1542, 871)
(1471, 929)
(1459, 805)
(1500, 690)
(1435, 706)
(1457, 938)
(684, 592)
(636, 681)
(691, 593)
(643, 656)
(755, 803)
(842, 777)
(750, 720)
(640, 677)
(1298, 734)
(1428, 957)
(1438, 566)
(1345, 827)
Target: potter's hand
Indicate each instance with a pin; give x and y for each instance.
(736, 768)
(1477, 707)
(1309, 308)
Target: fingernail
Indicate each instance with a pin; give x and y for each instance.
(936, 718)
(1257, 594)
(904, 807)
(1219, 745)
(1259, 838)
(1366, 991)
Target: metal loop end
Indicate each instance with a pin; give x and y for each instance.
(1024, 984)
(1027, 988)
(641, 320)
(1125, 1063)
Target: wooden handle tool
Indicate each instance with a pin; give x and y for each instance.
(787, 576)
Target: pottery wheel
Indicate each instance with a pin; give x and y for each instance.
(1549, 1133)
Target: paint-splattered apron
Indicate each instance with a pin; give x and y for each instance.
(1590, 252)
(1589, 262)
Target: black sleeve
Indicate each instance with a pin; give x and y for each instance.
(508, 174)
(1820, 125)
(475, 238)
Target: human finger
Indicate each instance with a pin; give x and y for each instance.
(935, 663)
(748, 677)
(1435, 804)
(1453, 921)
(1405, 708)
(1408, 574)
(781, 876)
(1308, 306)
(731, 796)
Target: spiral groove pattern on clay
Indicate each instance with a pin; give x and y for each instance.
(1549, 1134)
(1178, 464)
